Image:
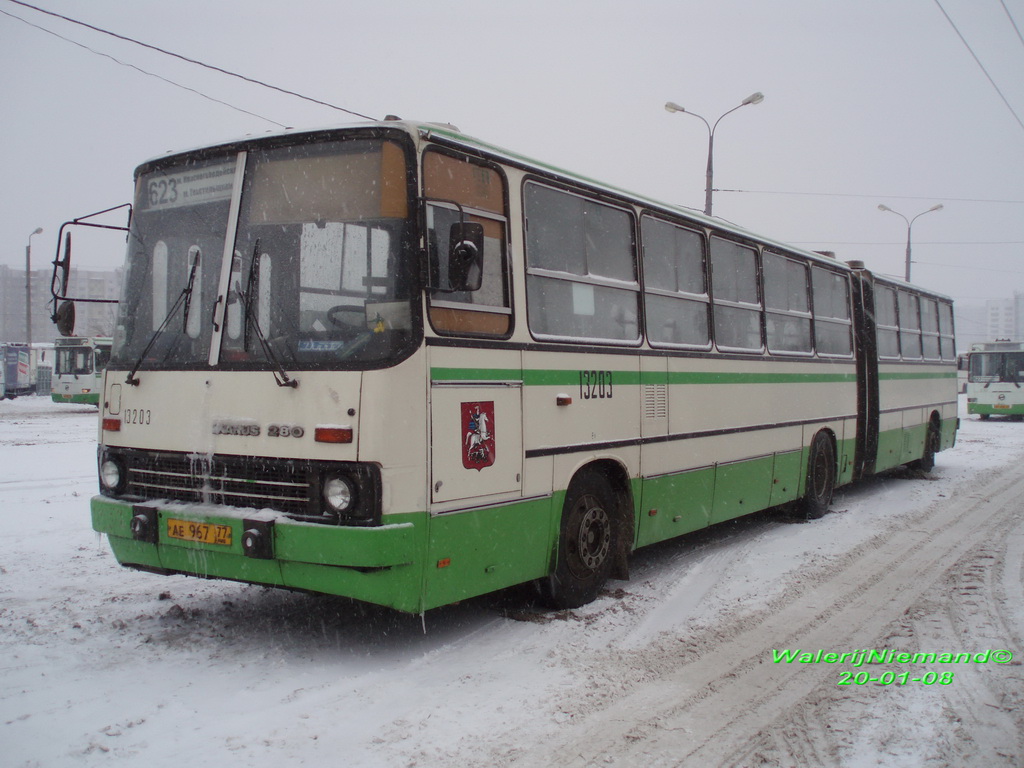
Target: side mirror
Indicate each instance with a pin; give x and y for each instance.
(64, 318)
(61, 267)
(465, 256)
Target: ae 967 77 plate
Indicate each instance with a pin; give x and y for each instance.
(205, 533)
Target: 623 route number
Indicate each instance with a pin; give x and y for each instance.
(595, 385)
(163, 192)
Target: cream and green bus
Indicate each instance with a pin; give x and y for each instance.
(995, 379)
(78, 370)
(395, 363)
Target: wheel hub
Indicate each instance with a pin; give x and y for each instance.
(594, 535)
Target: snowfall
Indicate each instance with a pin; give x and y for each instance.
(679, 666)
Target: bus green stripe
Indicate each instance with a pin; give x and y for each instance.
(726, 377)
(561, 378)
(914, 376)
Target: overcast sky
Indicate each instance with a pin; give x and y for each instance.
(866, 102)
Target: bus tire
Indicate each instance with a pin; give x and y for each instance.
(821, 478)
(587, 543)
(931, 446)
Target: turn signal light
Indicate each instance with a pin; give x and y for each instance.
(111, 425)
(333, 434)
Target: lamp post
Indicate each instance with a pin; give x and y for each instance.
(910, 223)
(754, 98)
(28, 285)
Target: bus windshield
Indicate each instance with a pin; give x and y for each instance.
(320, 273)
(74, 361)
(997, 367)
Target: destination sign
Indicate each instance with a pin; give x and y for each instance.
(206, 184)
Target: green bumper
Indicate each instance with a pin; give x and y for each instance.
(382, 565)
(999, 409)
(92, 398)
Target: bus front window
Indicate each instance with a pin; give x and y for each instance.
(323, 259)
(321, 273)
(180, 218)
(990, 367)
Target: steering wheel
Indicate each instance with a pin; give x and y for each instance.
(356, 319)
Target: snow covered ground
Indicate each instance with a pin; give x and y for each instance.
(106, 666)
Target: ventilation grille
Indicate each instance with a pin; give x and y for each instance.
(655, 401)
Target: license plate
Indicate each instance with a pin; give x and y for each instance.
(1001, 405)
(205, 533)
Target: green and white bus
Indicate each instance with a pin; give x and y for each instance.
(393, 362)
(78, 372)
(995, 379)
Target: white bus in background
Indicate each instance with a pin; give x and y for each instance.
(995, 379)
(393, 362)
(78, 370)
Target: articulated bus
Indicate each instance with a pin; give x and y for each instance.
(78, 373)
(395, 363)
(995, 379)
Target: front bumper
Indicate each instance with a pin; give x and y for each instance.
(380, 564)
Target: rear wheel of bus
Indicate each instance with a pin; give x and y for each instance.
(931, 446)
(821, 478)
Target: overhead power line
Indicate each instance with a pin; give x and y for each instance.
(1012, 22)
(978, 61)
(916, 242)
(140, 69)
(877, 195)
(189, 60)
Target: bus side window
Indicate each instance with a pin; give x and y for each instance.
(581, 280)
(675, 287)
(887, 330)
(832, 324)
(737, 307)
(910, 325)
(947, 343)
(788, 318)
(930, 328)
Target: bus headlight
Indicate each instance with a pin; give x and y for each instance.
(339, 494)
(112, 475)
(345, 493)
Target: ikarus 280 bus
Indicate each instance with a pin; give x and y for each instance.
(393, 362)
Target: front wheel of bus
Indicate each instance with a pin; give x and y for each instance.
(586, 544)
(821, 478)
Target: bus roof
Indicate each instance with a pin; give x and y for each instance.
(447, 134)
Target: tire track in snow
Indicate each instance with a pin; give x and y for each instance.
(701, 711)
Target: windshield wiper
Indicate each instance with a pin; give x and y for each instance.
(248, 298)
(186, 299)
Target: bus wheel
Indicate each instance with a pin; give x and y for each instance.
(586, 543)
(931, 446)
(983, 416)
(821, 478)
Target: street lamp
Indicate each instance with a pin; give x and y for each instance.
(28, 285)
(754, 98)
(910, 223)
